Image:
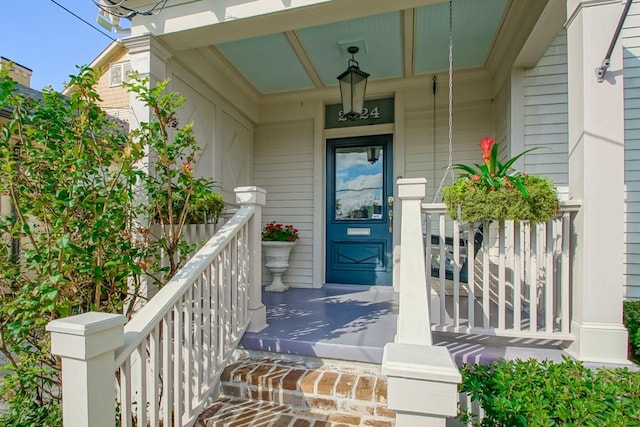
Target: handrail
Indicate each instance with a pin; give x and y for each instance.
(143, 322)
(565, 206)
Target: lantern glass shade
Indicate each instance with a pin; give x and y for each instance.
(373, 154)
(353, 84)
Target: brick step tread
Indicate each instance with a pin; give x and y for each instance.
(274, 379)
(235, 412)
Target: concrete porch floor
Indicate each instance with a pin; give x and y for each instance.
(353, 323)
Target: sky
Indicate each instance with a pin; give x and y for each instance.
(42, 36)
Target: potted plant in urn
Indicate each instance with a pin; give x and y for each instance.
(277, 242)
(495, 191)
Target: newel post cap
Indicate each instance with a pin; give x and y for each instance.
(412, 188)
(86, 335)
(251, 196)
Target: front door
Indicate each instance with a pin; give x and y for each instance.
(359, 210)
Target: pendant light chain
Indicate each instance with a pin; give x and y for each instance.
(449, 170)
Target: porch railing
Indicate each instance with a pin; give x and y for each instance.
(170, 355)
(500, 278)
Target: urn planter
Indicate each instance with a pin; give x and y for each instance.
(276, 259)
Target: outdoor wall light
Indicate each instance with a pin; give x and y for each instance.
(353, 84)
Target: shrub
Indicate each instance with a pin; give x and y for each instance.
(632, 322)
(544, 393)
(68, 175)
(204, 205)
(72, 241)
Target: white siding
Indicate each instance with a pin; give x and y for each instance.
(283, 165)
(501, 113)
(423, 158)
(631, 49)
(546, 114)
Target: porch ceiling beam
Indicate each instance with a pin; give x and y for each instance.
(408, 42)
(303, 56)
(519, 20)
(197, 24)
(551, 21)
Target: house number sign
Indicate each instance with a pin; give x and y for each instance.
(375, 111)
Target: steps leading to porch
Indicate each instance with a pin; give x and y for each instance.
(264, 391)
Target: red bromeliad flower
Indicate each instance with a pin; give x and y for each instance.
(493, 174)
(486, 145)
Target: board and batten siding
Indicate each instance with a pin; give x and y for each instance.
(631, 64)
(546, 114)
(283, 166)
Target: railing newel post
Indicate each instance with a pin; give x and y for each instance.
(257, 198)
(86, 343)
(412, 362)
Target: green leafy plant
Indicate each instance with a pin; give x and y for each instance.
(275, 232)
(494, 190)
(76, 237)
(174, 194)
(632, 322)
(205, 205)
(544, 393)
(492, 174)
(69, 237)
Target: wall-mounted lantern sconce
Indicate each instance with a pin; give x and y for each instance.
(353, 84)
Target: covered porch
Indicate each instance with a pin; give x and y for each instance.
(538, 291)
(354, 323)
(260, 85)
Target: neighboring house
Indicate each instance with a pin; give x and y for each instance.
(114, 67)
(22, 76)
(259, 79)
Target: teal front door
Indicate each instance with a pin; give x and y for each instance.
(359, 210)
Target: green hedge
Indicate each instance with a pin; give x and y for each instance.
(632, 322)
(543, 393)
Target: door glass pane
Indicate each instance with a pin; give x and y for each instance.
(359, 183)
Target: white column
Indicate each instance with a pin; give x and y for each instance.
(86, 344)
(256, 197)
(596, 176)
(413, 317)
(148, 56)
(422, 379)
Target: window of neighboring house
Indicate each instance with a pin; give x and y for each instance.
(119, 73)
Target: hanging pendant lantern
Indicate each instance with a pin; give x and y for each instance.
(353, 84)
(373, 154)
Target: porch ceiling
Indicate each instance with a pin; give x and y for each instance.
(305, 48)
(404, 43)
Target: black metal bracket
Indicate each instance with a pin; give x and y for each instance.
(606, 62)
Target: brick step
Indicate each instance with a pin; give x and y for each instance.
(299, 392)
(236, 412)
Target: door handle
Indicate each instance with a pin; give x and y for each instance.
(390, 220)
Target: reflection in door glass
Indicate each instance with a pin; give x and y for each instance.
(359, 178)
